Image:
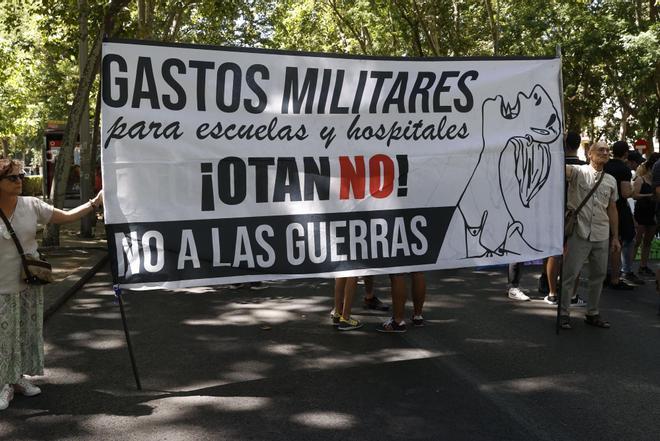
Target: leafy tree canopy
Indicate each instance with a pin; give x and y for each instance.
(611, 67)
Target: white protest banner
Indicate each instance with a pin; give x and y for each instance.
(225, 165)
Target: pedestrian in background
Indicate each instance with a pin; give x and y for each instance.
(618, 168)
(22, 305)
(552, 265)
(644, 213)
(514, 274)
(344, 292)
(397, 322)
(370, 300)
(589, 243)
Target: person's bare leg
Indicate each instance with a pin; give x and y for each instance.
(648, 235)
(418, 292)
(552, 268)
(639, 237)
(350, 286)
(368, 287)
(340, 283)
(398, 282)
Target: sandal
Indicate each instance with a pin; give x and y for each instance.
(595, 320)
(565, 323)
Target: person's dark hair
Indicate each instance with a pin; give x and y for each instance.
(620, 149)
(652, 160)
(572, 141)
(635, 156)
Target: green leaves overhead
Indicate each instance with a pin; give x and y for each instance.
(610, 47)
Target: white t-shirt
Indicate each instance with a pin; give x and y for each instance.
(29, 212)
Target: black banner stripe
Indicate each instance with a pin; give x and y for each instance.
(149, 252)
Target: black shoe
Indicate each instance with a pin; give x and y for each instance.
(645, 271)
(621, 286)
(632, 279)
(597, 321)
(577, 301)
(375, 304)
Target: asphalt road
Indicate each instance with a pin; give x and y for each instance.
(222, 364)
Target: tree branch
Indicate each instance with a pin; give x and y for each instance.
(493, 26)
(352, 30)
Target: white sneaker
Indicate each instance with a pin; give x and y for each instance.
(550, 299)
(6, 395)
(516, 294)
(26, 388)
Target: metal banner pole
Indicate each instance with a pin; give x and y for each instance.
(561, 264)
(117, 291)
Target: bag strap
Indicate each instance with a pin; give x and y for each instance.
(17, 242)
(584, 201)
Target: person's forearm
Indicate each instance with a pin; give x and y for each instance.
(82, 210)
(613, 216)
(63, 217)
(614, 227)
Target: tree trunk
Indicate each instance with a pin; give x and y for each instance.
(5, 147)
(96, 137)
(149, 18)
(653, 11)
(63, 163)
(624, 124)
(639, 19)
(431, 37)
(141, 19)
(86, 182)
(493, 27)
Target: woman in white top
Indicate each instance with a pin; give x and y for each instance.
(21, 306)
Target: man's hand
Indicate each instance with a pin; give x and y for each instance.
(615, 245)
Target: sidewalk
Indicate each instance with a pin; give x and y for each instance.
(74, 262)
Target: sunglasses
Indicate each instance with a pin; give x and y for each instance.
(14, 178)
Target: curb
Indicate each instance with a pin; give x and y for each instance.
(54, 297)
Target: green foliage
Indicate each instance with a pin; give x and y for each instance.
(610, 48)
(38, 71)
(611, 67)
(32, 186)
(382, 27)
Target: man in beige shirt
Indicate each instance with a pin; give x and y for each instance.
(590, 243)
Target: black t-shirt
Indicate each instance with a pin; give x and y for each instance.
(620, 171)
(574, 160)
